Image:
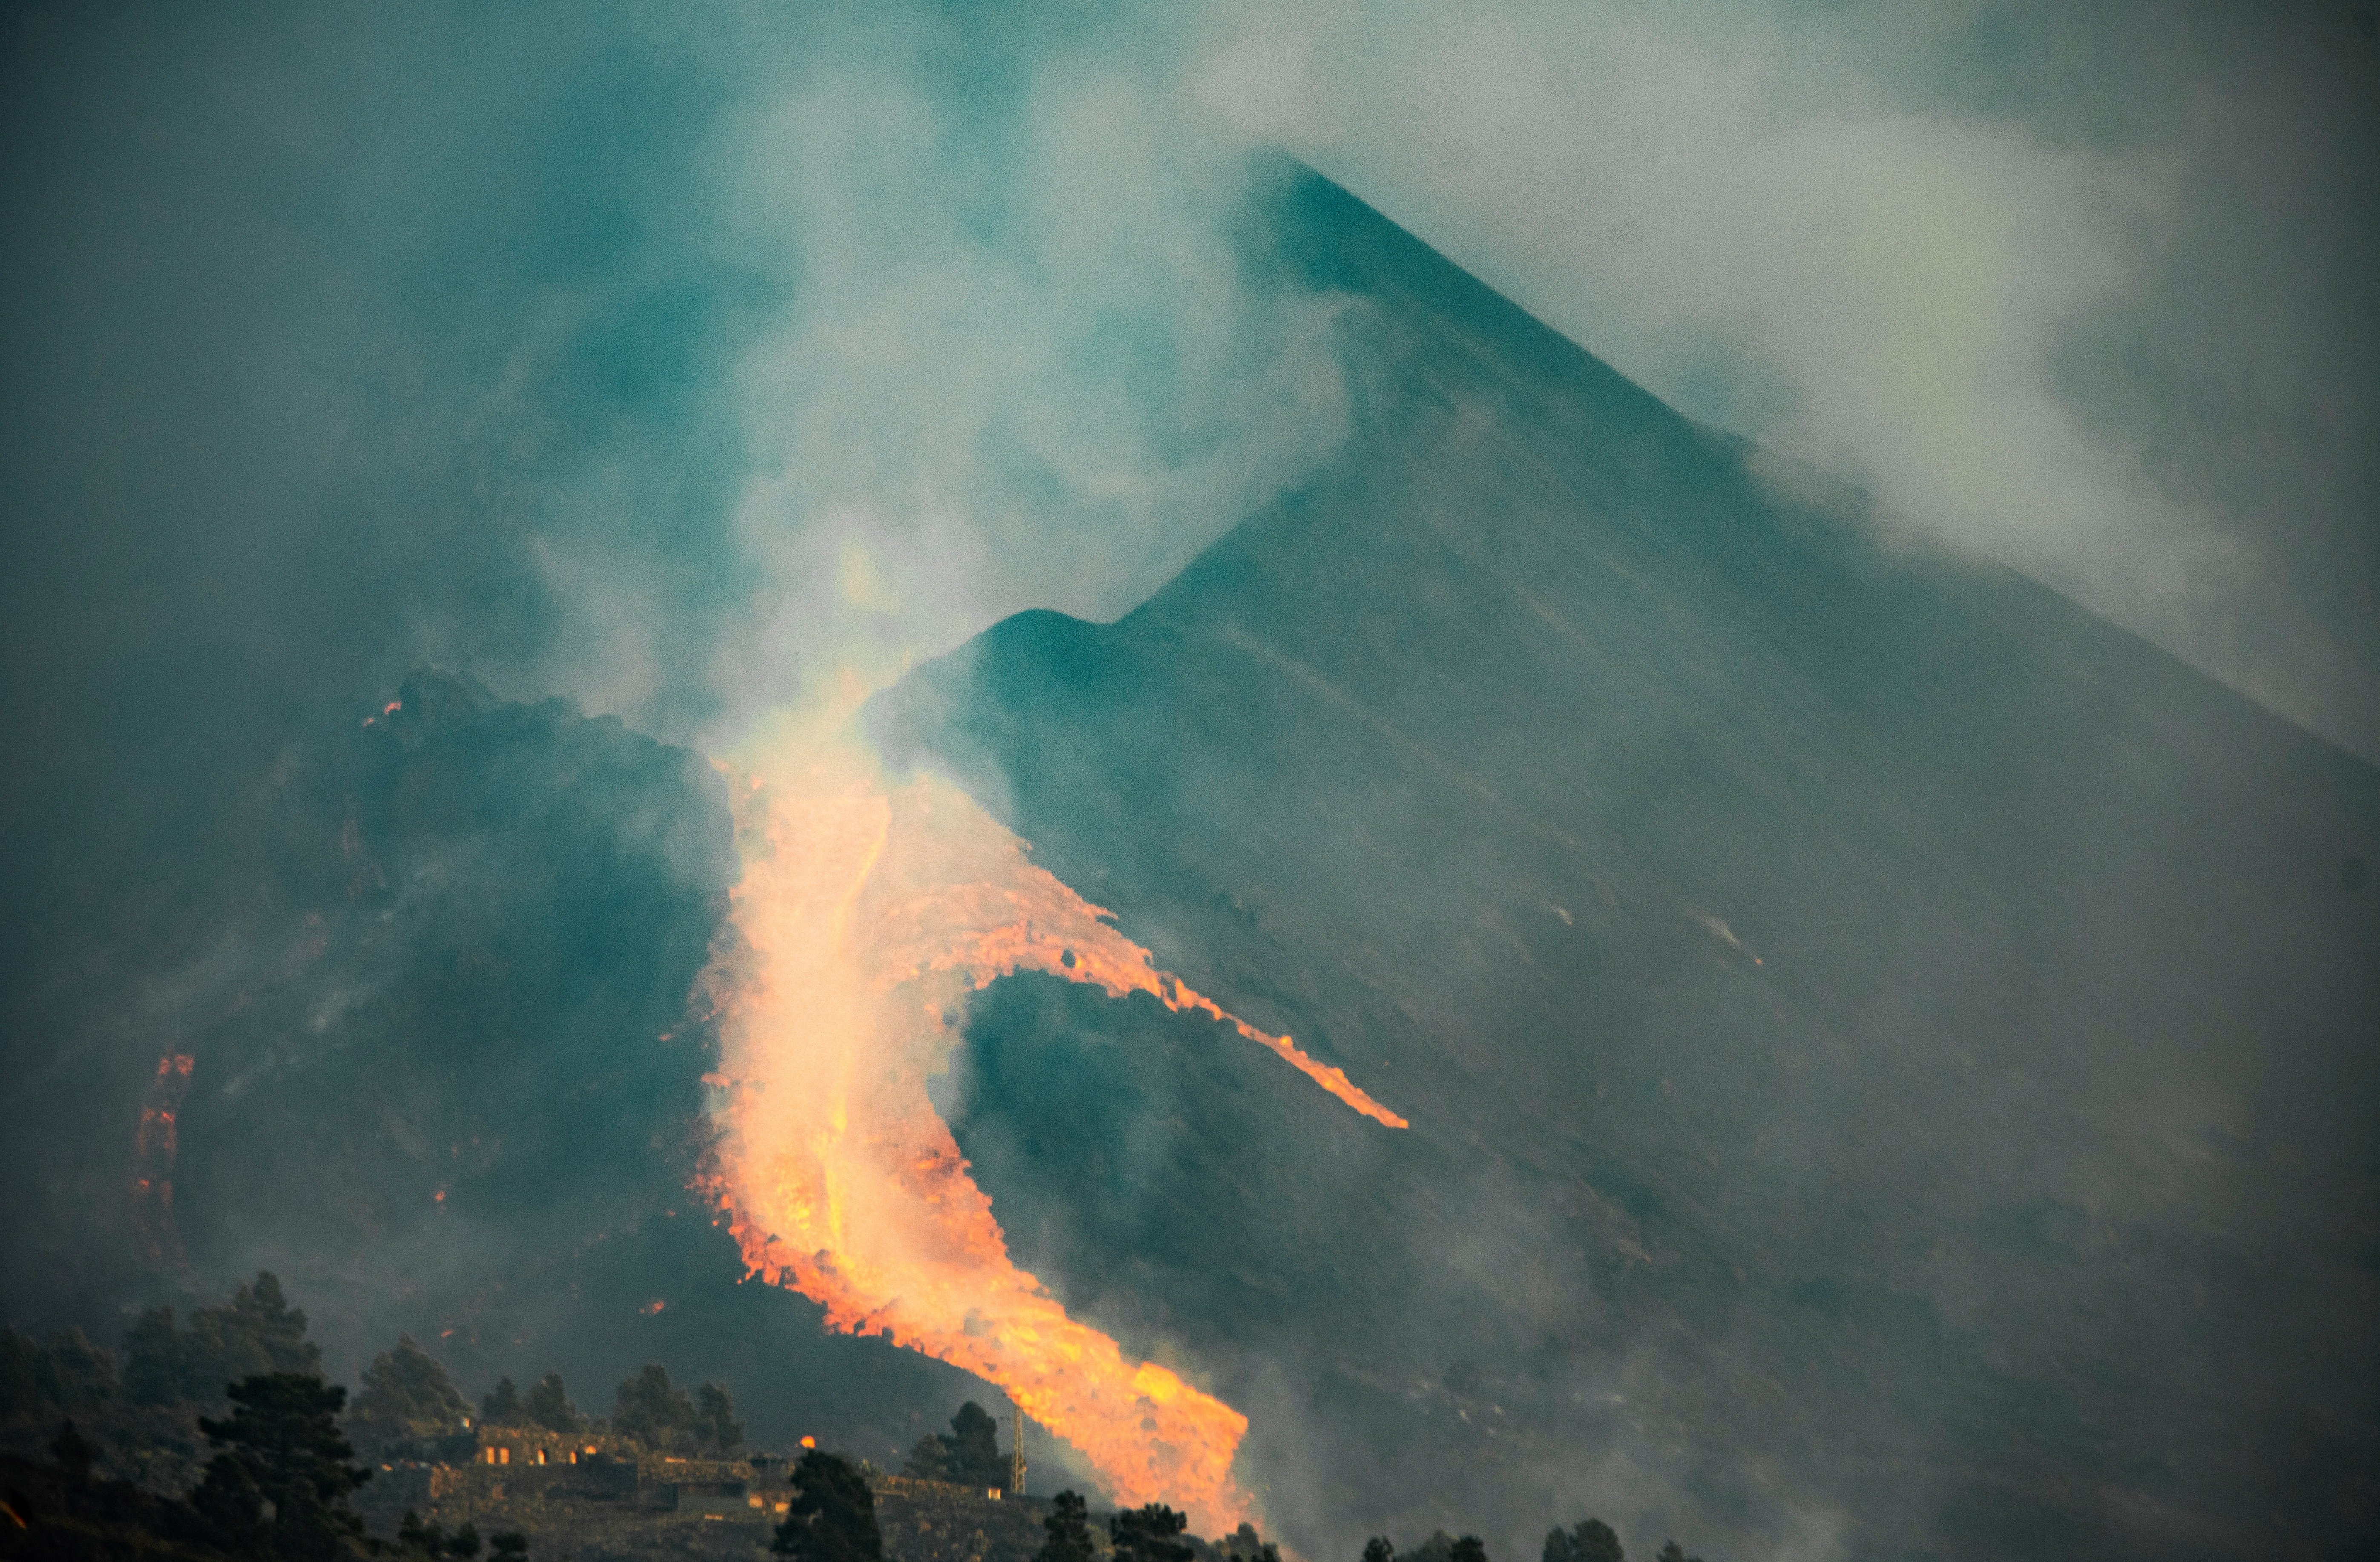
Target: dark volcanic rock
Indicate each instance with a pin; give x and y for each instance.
(1892, 1056)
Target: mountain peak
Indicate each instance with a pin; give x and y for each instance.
(1845, 993)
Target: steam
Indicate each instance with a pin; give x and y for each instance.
(1021, 364)
(1975, 282)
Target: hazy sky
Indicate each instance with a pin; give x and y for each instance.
(670, 358)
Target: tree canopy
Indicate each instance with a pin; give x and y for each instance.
(1246, 1546)
(281, 1445)
(651, 1409)
(256, 1333)
(833, 1516)
(1590, 1540)
(408, 1394)
(967, 1454)
(143, 1417)
(549, 1407)
(501, 1406)
(1069, 1529)
(715, 1425)
(658, 1413)
(1146, 1534)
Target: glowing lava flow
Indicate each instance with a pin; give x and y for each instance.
(865, 916)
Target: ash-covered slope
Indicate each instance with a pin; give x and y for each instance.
(1892, 1056)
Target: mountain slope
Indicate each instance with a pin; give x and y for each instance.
(1890, 1055)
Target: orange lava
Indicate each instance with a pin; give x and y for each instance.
(866, 913)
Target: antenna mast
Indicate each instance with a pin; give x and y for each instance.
(1016, 1458)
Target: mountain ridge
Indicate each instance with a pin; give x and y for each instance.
(1774, 926)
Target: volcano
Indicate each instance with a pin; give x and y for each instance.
(1890, 1056)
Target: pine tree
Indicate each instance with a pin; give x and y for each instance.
(651, 1409)
(282, 1445)
(1069, 1529)
(833, 1516)
(1590, 1540)
(1146, 1535)
(501, 1406)
(254, 1334)
(968, 1455)
(975, 1448)
(549, 1407)
(714, 1419)
(1246, 1546)
(408, 1394)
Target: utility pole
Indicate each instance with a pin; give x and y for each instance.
(1016, 1458)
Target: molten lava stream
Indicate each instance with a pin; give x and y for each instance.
(866, 914)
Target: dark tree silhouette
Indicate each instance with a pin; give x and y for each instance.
(1246, 1546)
(415, 1538)
(928, 1458)
(1590, 1540)
(967, 1454)
(1470, 1548)
(257, 1332)
(1672, 1552)
(714, 1418)
(1377, 1549)
(64, 1511)
(281, 1445)
(833, 1516)
(230, 1510)
(652, 1410)
(549, 1407)
(1146, 1534)
(1439, 1547)
(1069, 1528)
(407, 1394)
(501, 1406)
